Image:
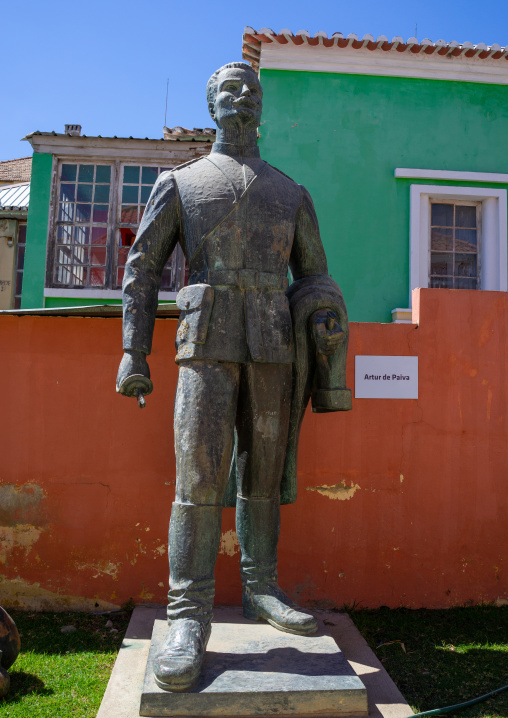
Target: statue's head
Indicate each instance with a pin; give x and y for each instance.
(234, 95)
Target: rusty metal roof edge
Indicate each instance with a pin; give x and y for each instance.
(76, 138)
(96, 310)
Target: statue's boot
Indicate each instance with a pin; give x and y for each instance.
(194, 538)
(257, 528)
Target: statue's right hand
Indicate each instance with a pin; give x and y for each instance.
(133, 374)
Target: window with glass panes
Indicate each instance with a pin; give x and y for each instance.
(81, 247)
(454, 240)
(136, 186)
(90, 245)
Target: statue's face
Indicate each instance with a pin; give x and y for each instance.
(239, 98)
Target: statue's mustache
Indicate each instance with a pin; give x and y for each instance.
(244, 102)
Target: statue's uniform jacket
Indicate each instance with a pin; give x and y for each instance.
(239, 243)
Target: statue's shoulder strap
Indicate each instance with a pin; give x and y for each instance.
(186, 164)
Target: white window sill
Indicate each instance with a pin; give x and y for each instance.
(97, 294)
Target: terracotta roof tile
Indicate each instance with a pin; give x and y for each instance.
(252, 40)
(19, 170)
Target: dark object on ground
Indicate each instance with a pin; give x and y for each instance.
(9, 640)
(5, 682)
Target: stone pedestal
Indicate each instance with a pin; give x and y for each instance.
(252, 669)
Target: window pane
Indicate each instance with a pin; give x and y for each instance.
(68, 173)
(97, 276)
(19, 282)
(67, 192)
(21, 234)
(129, 194)
(441, 282)
(129, 214)
(442, 215)
(85, 192)
(441, 240)
(149, 175)
(123, 253)
(465, 216)
(131, 175)
(82, 235)
(119, 276)
(99, 235)
(98, 256)
(21, 257)
(80, 256)
(465, 240)
(465, 265)
(83, 212)
(100, 213)
(145, 194)
(466, 284)
(85, 173)
(441, 264)
(127, 237)
(66, 212)
(103, 173)
(101, 193)
(64, 234)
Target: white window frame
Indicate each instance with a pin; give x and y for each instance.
(494, 230)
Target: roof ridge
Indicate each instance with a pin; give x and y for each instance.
(16, 159)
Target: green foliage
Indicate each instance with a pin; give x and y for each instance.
(441, 658)
(62, 674)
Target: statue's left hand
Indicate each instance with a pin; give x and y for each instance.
(327, 332)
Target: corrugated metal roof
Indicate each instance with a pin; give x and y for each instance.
(14, 196)
(18, 170)
(252, 40)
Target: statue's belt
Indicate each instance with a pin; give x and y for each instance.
(242, 278)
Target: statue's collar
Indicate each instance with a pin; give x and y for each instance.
(234, 150)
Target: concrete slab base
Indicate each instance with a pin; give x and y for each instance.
(123, 694)
(252, 669)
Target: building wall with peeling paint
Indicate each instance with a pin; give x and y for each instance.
(401, 502)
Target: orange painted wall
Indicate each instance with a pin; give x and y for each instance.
(402, 502)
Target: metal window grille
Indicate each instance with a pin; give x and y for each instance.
(454, 245)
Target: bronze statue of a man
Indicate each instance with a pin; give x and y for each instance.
(250, 352)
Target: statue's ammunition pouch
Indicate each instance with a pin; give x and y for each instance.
(195, 302)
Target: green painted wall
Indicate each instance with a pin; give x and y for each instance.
(37, 232)
(342, 136)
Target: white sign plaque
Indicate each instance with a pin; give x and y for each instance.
(385, 377)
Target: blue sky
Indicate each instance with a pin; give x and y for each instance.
(105, 64)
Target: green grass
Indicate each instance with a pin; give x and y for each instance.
(59, 675)
(436, 658)
(441, 658)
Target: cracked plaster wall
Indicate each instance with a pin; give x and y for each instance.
(400, 502)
